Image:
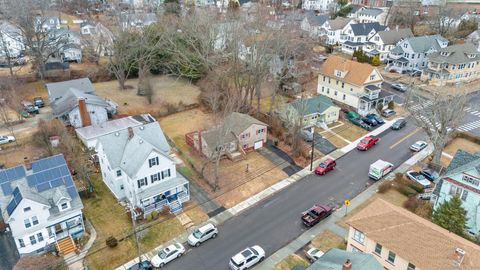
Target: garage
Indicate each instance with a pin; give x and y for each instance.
(258, 144)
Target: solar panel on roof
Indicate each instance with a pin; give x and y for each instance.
(11, 206)
(15, 192)
(64, 170)
(56, 182)
(68, 180)
(56, 173)
(7, 189)
(31, 180)
(20, 171)
(11, 174)
(43, 186)
(17, 198)
(3, 177)
(72, 191)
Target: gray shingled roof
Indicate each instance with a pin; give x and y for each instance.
(334, 259)
(362, 29)
(130, 154)
(394, 36)
(461, 161)
(423, 43)
(58, 89)
(339, 23)
(457, 54)
(69, 101)
(371, 11)
(314, 19)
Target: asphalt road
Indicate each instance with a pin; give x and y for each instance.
(398, 96)
(275, 222)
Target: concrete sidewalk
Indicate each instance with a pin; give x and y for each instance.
(229, 213)
(330, 223)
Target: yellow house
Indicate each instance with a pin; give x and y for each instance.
(453, 64)
(356, 85)
(401, 240)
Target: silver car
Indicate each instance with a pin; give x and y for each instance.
(418, 146)
(6, 139)
(399, 87)
(202, 234)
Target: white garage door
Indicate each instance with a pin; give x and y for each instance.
(258, 144)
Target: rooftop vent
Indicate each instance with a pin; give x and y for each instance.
(117, 134)
(459, 256)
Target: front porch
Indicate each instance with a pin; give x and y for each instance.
(368, 104)
(73, 227)
(399, 65)
(174, 195)
(350, 47)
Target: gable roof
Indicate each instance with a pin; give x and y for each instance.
(423, 43)
(316, 104)
(334, 259)
(58, 89)
(48, 179)
(461, 160)
(339, 23)
(417, 240)
(370, 11)
(314, 19)
(457, 54)
(69, 101)
(357, 73)
(130, 154)
(394, 36)
(363, 29)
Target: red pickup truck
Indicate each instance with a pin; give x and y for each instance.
(316, 214)
(367, 142)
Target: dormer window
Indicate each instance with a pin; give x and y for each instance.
(26, 209)
(444, 53)
(372, 77)
(64, 206)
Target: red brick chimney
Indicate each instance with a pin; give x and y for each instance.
(26, 162)
(347, 265)
(84, 116)
(130, 133)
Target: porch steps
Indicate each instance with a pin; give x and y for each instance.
(175, 207)
(66, 245)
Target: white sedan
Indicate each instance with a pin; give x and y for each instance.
(313, 254)
(247, 258)
(167, 255)
(418, 146)
(419, 178)
(6, 139)
(399, 87)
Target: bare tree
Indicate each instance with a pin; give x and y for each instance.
(443, 19)
(122, 60)
(405, 12)
(41, 42)
(437, 114)
(293, 118)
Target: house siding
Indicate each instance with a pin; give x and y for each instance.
(470, 73)
(247, 142)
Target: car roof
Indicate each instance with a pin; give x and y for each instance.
(328, 160)
(241, 256)
(206, 227)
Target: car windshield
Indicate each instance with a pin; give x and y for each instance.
(323, 165)
(162, 254)
(364, 141)
(246, 253)
(420, 177)
(197, 234)
(254, 251)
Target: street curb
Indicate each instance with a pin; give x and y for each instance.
(307, 236)
(231, 212)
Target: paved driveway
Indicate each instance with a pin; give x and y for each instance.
(8, 251)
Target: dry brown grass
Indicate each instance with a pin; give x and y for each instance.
(461, 143)
(290, 262)
(334, 139)
(266, 101)
(165, 90)
(327, 240)
(13, 155)
(392, 196)
(350, 131)
(196, 214)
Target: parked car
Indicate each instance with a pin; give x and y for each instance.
(360, 123)
(376, 118)
(38, 101)
(387, 113)
(316, 214)
(313, 254)
(415, 73)
(325, 166)
(419, 178)
(367, 142)
(369, 121)
(6, 139)
(418, 146)
(400, 123)
(167, 255)
(247, 258)
(30, 108)
(425, 196)
(202, 234)
(143, 265)
(379, 169)
(352, 115)
(430, 175)
(307, 135)
(399, 87)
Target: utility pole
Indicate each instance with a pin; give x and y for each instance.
(313, 148)
(134, 222)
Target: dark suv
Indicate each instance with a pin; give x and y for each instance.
(38, 101)
(400, 123)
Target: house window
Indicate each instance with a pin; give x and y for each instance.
(34, 220)
(455, 191)
(166, 173)
(470, 180)
(372, 77)
(344, 96)
(26, 209)
(358, 236)
(410, 266)
(336, 82)
(142, 182)
(27, 223)
(33, 241)
(378, 249)
(153, 161)
(464, 195)
(40, 237)
(64, 206)
(343, 84)
(119, 173)
(329, 81)
(339, 73)
(351, 89)
(260, 131)
(324, 78)
(405, 45)
(336, 92)
(121, 187)
(21, 243)
(323, 88)
(155, 177)
(328, 90)
(391, 257)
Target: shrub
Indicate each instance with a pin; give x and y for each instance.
(411, 204)
(375, 61)
(391, 105)
(380, 107)
(407, 191)
(149, 217)
(416, 186)
(154, 214)
(384, 187)
(424, 209)
(111, 242)
(165, 210)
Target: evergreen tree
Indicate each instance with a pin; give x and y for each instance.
(451, 216)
